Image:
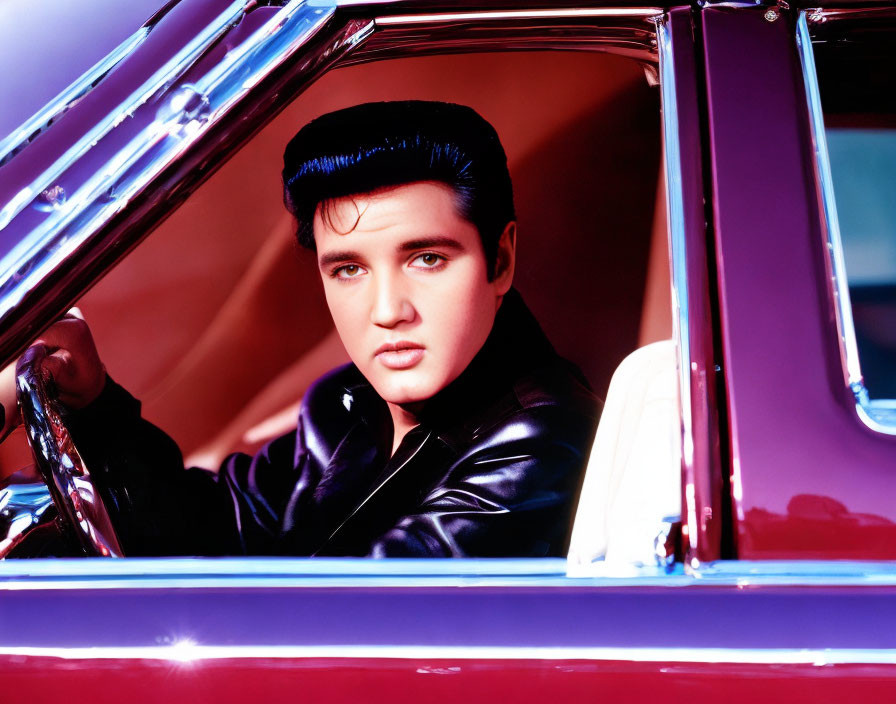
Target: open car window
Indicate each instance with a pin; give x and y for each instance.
(206, 296)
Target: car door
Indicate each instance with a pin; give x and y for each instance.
(713, 615)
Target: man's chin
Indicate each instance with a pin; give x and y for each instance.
(408, 401)
(405, 394)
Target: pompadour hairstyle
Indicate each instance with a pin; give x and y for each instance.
(376, 145)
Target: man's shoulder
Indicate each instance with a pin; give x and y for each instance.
(550, 400)
(559, 384)
(528, 378)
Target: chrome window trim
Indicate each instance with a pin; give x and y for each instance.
(866, 409)
(629, 32)
(678, 252)
(87, 210)
(642, 12)
(69, 95)
(186, 652)
(162, 141)
(177, 64)
(291, 572)
(801, 573)
(295, 572)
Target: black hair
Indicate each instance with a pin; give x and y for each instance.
(376, 145)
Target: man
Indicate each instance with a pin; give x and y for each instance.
(456, 431)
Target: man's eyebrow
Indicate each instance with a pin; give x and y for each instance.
(427, 242)
(337, 257)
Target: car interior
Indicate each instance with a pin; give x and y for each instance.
(217, 320)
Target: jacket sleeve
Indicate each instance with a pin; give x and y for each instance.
(160, 508)
(512, 494)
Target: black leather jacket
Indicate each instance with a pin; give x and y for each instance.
(493, 469)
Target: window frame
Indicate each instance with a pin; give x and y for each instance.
(865, 406)
(54, 263)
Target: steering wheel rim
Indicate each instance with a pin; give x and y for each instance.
(78, 502)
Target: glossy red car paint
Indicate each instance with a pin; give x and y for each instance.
(400, 644)
(412, 681)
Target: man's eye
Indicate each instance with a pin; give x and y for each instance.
(348, 271)
(429, 260)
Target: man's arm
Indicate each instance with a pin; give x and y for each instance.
(72, 361)
(157, 506)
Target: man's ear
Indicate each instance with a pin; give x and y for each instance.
(505, 261)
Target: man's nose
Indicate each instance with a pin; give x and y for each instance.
(391, 305)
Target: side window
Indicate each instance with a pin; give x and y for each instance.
(857, 90)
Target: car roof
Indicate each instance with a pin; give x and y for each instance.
(59, 40)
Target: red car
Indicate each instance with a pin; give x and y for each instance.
(707, 228)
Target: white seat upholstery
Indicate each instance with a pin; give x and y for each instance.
(633, 481)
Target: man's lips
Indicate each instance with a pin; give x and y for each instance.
(399, 355)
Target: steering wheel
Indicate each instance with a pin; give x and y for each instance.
(80, 508)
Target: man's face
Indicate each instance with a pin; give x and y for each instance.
(405, 279)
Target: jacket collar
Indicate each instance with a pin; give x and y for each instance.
(515, 345)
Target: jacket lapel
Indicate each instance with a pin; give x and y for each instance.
(420, 461)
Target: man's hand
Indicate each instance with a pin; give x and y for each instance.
(9, 411)
(73, 361)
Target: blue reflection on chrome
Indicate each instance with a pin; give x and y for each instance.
(18, 138)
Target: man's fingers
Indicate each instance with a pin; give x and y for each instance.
(62, 333)
(38, 350)
(75, 312)
(72, 360)
(59, 365)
